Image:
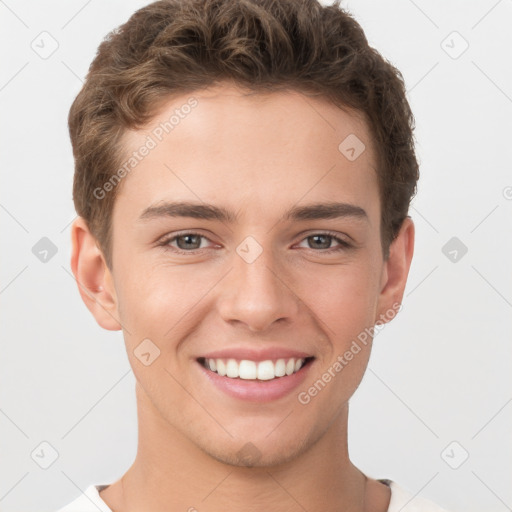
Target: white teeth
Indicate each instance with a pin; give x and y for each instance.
(266, 370)
(252, 370)
(247, 369)
(280, 368)
(232, 369)
(221, 367)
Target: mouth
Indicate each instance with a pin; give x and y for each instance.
(246, 369)
(254, 381)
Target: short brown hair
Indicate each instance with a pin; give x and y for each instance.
(173, 47)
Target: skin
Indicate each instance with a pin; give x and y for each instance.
(255, 155)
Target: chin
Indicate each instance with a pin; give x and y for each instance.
(258, 453)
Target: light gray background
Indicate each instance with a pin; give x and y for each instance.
(439, 373)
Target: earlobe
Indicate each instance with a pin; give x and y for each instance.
(93, 277)
(395, 272)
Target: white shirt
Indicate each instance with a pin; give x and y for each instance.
(402, 500)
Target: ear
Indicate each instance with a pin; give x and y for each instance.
(94, 280)
(395, 272)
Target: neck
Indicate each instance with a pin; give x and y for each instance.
(171, 473)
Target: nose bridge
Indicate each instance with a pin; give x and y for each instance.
(254, 293)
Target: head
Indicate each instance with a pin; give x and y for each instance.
(266, 115)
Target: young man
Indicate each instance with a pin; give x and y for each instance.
(243, 176)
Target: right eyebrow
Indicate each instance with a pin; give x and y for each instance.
(188, 209)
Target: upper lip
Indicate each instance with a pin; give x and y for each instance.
(253, 354)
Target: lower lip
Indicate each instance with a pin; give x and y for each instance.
(257, 390)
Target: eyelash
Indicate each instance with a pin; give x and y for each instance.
(343, 245)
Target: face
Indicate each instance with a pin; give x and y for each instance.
(247, 234)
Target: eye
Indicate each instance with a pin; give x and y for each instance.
(185, 242)
(323, 242)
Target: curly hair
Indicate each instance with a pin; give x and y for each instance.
(172, 47)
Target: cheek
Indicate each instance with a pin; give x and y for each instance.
(345, 306)
(162, 302)
(149, 301)
(344, 299)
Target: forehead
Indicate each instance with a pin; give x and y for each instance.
(234, 146)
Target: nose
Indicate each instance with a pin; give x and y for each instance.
(258, 294)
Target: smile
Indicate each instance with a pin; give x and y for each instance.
(254, 370)
(256, 381)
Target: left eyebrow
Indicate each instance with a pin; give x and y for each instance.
(316, 211)
(326, 211)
